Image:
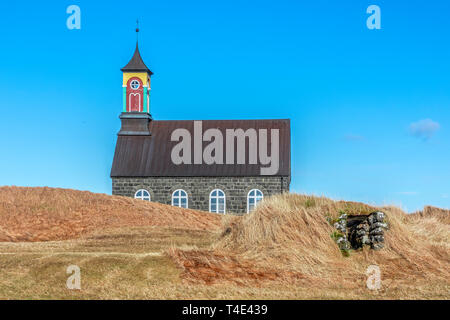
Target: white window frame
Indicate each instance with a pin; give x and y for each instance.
(255, 197)
(181, 197)
(131, 84)
(142, 197)
(129, 100)
(217, 197)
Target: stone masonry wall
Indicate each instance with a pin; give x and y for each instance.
(199, 188)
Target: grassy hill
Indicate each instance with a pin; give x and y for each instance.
(133, 249)
(45, 214)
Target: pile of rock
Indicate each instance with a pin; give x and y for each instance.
(360, 230)
(376, 231)
(341, 236)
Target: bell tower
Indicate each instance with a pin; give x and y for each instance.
(135, 115)
(136, 84)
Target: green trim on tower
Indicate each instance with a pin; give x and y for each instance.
(124, 99)
(149, 95)
(145, 99)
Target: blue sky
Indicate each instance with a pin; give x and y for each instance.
(369, 109)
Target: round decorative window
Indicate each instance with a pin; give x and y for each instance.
(134, 84)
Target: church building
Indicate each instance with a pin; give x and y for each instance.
(221, 166)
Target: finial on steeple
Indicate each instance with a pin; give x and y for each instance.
(137, 29)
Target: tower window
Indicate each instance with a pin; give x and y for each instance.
(142, 194)
(134, 84)
(217, 201)
(253, 197)
(180, 198)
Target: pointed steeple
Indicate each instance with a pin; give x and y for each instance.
(136, 64)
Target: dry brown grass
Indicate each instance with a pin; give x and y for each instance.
(131, 249)
(287, 239)
(443, 215)
(44, 214)
(122, 263)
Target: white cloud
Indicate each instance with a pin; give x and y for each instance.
(424, 129)
(408, 193)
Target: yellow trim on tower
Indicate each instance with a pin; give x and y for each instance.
(141, 75)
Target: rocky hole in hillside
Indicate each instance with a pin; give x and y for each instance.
(355, 231)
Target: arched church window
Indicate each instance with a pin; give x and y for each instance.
(253, 197)
(142, 194)
(180, 198)
(217, 203)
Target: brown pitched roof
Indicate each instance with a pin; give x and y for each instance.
(136, 64)
(150, 155)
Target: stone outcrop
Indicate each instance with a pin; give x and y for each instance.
(355, 231)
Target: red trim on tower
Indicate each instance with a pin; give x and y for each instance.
(135, 97)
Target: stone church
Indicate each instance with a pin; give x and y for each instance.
(221, 166)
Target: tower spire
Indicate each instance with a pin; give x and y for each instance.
(136, 64)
